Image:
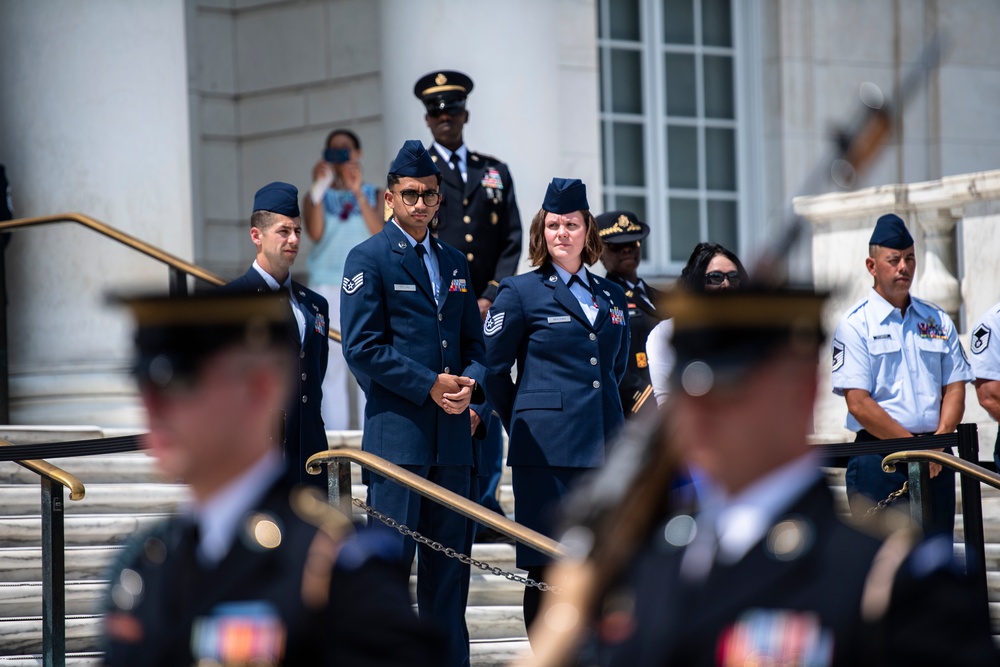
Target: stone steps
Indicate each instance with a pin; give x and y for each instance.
(78, 529)
(125, 494)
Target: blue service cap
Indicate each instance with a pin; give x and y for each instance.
(278, 197)
(890, 232)
(413, 160)
(565, 195)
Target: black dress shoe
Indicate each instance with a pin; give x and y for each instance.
(491, 536)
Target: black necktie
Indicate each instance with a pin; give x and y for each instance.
(574, 279)
(421, 250)
(454, 161)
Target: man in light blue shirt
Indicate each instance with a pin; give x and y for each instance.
(898, 363)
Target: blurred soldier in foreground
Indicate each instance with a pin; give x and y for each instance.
(764, 572)
(252, 572)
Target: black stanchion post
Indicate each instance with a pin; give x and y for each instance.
(339, 483)
(178, 282)
(972, 505)
(920, 493)
(53, 575)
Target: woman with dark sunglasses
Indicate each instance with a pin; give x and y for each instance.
(710, 267)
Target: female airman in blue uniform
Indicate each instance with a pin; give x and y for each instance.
(567, 331)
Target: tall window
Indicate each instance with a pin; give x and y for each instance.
(669, 125)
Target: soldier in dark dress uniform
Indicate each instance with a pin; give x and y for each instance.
(622, 233)
(275, 229)
(764, 571)
(253, 571)
(479, 217)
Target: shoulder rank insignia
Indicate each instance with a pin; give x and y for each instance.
(980, 339)
(352, 285)
(493, 324)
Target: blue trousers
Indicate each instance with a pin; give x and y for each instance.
(866, 477)
(490, 468)
(442, 582)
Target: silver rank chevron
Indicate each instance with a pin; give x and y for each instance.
(352, 285)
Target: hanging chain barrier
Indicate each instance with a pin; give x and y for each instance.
(882, 504)
(451, 553)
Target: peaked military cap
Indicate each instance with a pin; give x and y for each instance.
(565, 195)
(175, 335)
(621, 227)
(413, 160)
(718, 335)
(443, 90)
(890, 232)
(278, 197)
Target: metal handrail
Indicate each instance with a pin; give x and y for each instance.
(53, 480)
(985, 476)
(132, 242)
(76, 489)
(120, 236)
(450, 499)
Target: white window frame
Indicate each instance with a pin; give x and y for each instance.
(747, 81)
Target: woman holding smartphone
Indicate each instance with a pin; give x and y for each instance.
(567, 331)
(339, 211)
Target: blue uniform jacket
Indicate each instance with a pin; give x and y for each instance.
(396, 341)
(565, 405)
(305, 432)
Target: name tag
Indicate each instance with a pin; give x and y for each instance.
(556, 320)
(405, 288)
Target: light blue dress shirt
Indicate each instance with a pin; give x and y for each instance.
(902, 359)
(430, 260)
(582, 294)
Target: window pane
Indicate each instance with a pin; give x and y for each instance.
(716, 29)
(624, 19)
(722, 224)
(626, 81)
(719, 87)
(629, 154)
(678, 21)
(606, 153)
(680, 85)
(683, 228)
(720, 159)
(682, 157)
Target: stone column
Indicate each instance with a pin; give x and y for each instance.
(94, 109)
(937, 269)
(534, 65)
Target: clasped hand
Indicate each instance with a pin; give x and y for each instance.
(452, 392)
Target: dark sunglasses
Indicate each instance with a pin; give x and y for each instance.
(621, 247)
(718, 277)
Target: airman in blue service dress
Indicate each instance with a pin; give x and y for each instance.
(564, 407)
(400, 332)
(764, 571)
(304, 429)
(251, 571)
(478, 216)
(904, 361)
(622, 233)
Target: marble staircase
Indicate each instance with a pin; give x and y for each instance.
(125, 495)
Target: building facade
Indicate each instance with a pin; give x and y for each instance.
(705, 116)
